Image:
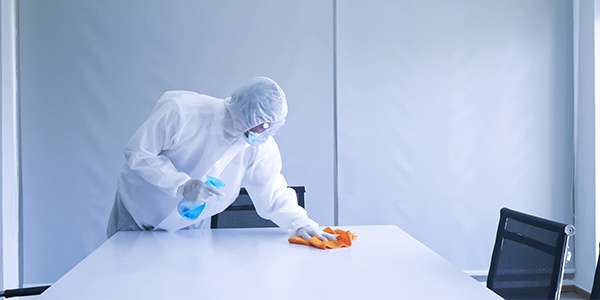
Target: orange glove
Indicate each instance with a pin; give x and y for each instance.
(344, 239)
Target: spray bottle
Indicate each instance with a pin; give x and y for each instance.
(190, 209)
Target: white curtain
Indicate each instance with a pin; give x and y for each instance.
(450, 110)
(91, 71)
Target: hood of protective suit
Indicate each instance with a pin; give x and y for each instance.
(258, 101)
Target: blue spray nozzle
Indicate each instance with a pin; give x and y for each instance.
(216, 182)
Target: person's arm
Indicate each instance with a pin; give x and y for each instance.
(272, 197)
(143, 151)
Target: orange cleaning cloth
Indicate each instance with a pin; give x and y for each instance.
(344, 239)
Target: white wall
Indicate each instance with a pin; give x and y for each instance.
(586, 244)
(446, 110)
(1, 222)
(11, 243)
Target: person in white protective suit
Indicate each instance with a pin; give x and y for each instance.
(189, 136)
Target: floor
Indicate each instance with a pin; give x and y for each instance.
(571, 296)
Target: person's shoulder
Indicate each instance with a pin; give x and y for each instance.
(184, 100)
(184, 96)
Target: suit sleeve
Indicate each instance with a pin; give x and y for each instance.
(269, 190)
(143, 150)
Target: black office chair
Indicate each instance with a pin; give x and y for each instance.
(242, 214)
(529, 256)
(30, 291)
(595, 295)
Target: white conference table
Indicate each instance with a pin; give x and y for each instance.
(384, 262)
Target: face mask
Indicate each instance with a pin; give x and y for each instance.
(255, 139)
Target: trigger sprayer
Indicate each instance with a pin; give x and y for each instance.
(190, 209)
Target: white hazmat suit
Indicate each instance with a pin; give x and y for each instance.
(188, 136)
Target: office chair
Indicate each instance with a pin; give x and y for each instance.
(595, 295)
(30, 291)
(242, 214)
(529, 256)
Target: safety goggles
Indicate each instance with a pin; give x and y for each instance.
(268, 128)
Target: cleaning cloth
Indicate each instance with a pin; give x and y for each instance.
(344, 239)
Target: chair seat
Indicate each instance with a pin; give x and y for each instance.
(22, 292)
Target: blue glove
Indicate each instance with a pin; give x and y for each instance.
(308, 231)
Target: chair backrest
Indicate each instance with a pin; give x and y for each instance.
(242, 214)
(595, 295)
(529, 256)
